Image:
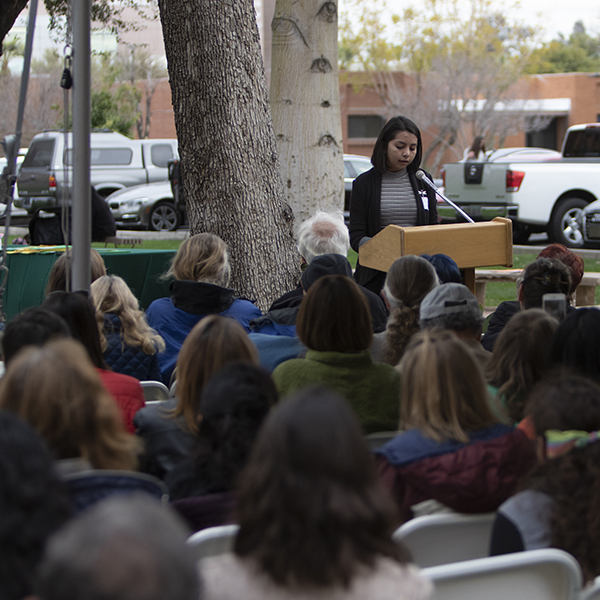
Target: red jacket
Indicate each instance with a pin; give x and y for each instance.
(467, 477)
(127, 392)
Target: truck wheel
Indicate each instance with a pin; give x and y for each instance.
(163, 217)
(566, 224)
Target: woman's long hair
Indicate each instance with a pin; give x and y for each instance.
(213, 342)
(111, 295)
(310, 506)
(570, 402)
(520, 358)
(57, 390)
(408, 281)
(443, 390)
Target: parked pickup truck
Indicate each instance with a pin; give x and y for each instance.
(540, 190)
(116, 162)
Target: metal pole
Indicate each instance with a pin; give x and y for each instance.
(82, 213)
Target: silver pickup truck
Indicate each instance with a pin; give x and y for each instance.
(540, 190)
(116, 161)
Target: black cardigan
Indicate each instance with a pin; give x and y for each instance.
(365, 212)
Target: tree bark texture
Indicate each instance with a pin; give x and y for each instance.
(306, 105)
(230, 169)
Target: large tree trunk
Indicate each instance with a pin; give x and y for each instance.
(230, 169)
(306, 105)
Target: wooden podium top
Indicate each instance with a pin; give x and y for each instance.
(470, 245)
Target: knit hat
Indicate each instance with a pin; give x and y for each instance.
(447, 299)
(326, 264)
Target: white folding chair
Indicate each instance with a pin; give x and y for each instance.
(546, 574)
(155, 391)
(213, 541)
(446, 537)
(592, 592)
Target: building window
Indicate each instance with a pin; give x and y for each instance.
(364, 126)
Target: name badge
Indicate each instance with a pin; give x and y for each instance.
(424, 199)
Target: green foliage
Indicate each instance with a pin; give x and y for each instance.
(116, 110)
(579, 53)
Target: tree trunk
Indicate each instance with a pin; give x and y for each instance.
(230, 169)
(306, 105)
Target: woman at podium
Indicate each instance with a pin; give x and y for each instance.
(390, 193)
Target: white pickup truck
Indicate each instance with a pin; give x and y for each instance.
(540, 190)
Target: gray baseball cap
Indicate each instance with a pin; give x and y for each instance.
(450, 299)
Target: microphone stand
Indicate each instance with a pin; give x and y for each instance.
(421, 175)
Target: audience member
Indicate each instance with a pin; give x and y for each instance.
(60, 275)
(574, 262)
(325, 234)
(452, 306)
(446, 268)
(558, 506)
(334, 324)
(169, 430)
(576, 344)
(232, 408)
(130, 346)
(79, 314)
(56, 389)
(520, 359)
(201, 271)
(314, 519)
(408, 281)
(33, 504)
(542, 276)
(125, 548)
(32, 327)
(453, 449)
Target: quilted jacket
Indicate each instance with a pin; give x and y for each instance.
(129, 360)
(467, 477)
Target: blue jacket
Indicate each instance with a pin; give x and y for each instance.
(190, 301)
(129, 360)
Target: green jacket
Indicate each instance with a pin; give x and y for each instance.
(373, 389)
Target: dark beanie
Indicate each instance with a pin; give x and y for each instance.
(326, 264)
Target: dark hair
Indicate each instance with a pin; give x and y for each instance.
(568, 402)
(233, 405)
(60, 274)
(387, 134)
(33, 327)
(477, 145)
(446, 268)
(520, 357)
(334, 316)
(310, 506)
(576, 343)
(78, 312)
(567, 257)
(544, 276)
(33, 504)
(127, 547)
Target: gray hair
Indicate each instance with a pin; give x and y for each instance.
(323, 233)
(455, 321)
(124, 548)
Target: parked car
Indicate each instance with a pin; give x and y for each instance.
(151, 205)
(116, 162)
(538, 190)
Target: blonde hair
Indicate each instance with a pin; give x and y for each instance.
(57, 390)
(212, 343)
(202, 257)
(111, 294)
(408, 281)
(443, 389)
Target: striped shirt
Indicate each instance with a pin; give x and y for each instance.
(398, 204)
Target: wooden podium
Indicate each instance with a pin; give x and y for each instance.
(471, 245)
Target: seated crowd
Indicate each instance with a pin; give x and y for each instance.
(318, 427)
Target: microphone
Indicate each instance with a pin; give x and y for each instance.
(420, 174)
